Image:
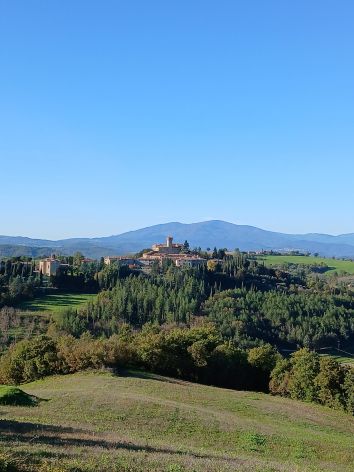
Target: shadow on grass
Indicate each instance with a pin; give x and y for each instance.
(14, 396)
(33, 433)
(139, 374)
(40, 454)
(18, 427)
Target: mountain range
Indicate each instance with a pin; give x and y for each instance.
(204, 234)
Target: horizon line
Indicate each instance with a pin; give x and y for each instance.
(168, 223)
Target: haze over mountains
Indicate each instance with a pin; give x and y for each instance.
(204, 234)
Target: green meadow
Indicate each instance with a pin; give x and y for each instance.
(53, 303)
(98, 421)
(333, 264)
(343, 357)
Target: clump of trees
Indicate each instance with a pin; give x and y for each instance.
(174, 296)
(197, 353)
(307, 376)
(17, 281)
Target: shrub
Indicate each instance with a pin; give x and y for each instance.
(329, 382)
(308, 377)
(15, 396)
(279, 378)
(120, 349)
(305, 366)
(349, 390)
(29, 360)
(80, 354)
(264, 357)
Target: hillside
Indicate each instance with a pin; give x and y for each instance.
(204, 234)
(141, 422)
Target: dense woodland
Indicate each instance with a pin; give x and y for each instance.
(18, 281)
(225, 324)
(249, 303)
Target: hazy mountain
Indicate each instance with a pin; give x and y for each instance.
(205, 234)
(23, 241)
(328, 239)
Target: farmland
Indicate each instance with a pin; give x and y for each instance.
(334, 265)
(53, 303)
(343, 357)
(143, 422)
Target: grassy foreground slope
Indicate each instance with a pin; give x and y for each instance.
(102, 422)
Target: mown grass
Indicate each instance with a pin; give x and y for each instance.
(54, 303)
(333, 264)
(103, 422)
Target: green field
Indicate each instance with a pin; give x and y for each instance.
(333, 264)
(344, 357)
(141, 422)
(54, 303)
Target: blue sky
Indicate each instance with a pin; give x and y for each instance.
(117, 115)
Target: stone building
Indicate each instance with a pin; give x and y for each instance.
(49, 266)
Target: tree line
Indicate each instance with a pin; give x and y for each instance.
(198, 353)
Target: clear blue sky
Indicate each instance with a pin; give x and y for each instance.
(120, 114)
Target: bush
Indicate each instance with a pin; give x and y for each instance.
(262, 359)
(120, 349)
(80, 354)
(279, 378)
(15, 396)
(307, 376)
(329, 383)
(29, 360)
(305, 366)
(348, 388)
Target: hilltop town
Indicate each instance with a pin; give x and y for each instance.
(178, 253)
(162, 252)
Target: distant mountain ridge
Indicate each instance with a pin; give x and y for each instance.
(204, 234)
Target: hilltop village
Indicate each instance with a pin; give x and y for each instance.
(159, 252)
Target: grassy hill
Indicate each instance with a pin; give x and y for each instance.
(102, 422)
(333, 264)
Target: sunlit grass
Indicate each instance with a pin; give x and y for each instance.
(99, 421)
(334, 265)
(54, 303)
